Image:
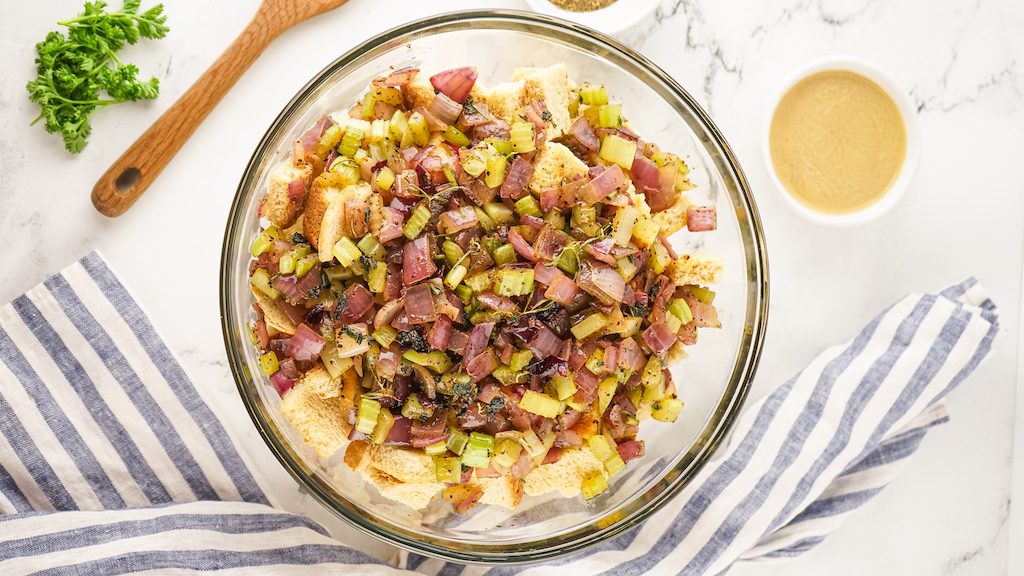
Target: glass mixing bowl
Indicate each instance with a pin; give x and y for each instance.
(712, 382)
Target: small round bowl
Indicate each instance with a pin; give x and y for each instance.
(712, 382)
(913, 148)
(611, 19)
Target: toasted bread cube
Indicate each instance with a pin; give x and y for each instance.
(416, 495)
(504, 491)
(565, 475)
(673, 218)
(555, 164)
(401, 464)
(326, 219)
(321, 421)
(696, 269)
(277, 321)
(281, 208)
(505, 100)
(418, 92)
(551, 85)
(319, 380)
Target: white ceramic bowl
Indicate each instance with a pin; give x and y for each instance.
(620, 15)
(913, 148)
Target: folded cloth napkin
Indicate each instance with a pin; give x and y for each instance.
(111, 463)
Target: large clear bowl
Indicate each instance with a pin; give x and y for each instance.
(712, 382)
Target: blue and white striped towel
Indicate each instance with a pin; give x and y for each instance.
(110, 462)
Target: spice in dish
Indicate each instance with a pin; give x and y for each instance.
(582, 5)
(469, 289)
(837, 141)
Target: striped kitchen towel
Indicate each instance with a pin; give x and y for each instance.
(111, 463)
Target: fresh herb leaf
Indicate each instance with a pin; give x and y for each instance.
(413, 339)
(469, 107)
(545, 116)
(353, 333)
(495, 406)
(72, 70)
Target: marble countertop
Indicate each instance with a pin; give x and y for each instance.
(961, 62)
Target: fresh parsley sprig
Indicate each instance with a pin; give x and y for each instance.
(73, 69)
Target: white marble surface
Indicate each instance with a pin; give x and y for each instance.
(962, 62)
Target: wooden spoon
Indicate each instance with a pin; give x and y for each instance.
(126, 180)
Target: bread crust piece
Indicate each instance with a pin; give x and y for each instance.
(319, 381)
(416, 495)
(275, 318)
(280, 209)
(673, 218)
(504, 491)
(565, 475)
(554, 165)
(551, 85)
(325, 220)
(321, 421)
(696, 269)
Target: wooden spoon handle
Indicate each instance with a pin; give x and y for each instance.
(132, 173)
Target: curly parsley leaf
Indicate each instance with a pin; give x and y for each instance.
(72, 69)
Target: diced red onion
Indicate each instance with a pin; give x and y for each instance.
(472, 417)
(544, 343)
(457, 220)
(457, 342)
(482, 366)
(549, 243)
(659, 338)
(419, 304)
(532, 222)
(312, 136)
(523, 465)
(545, 274)
(417, 261)
(630, 449)
(602, 251)
(398, 78)
(387, 364)
(521, 246)
(358, 301)
(295, 289)
(296, 189)
(631, 358)
(305, 344)
(705, 315)
(568, 439)
(445, 109)
(455, 83)
(400, 434)
(549, 199)
(387, 313)
(478, 339)
(440, 333)
(553, 455)
(585, 134)
(391, 227)
(488, 392)
(701, 218)
(601, 282)
(281, 382)
(604, 184)
(535, 113)
(495, 302)
(645, 172)
(516, 178)
(562, 290)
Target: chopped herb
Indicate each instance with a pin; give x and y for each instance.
(366, 215)
(324, 283)
(298, 238)
(637, 310)
(495, 405)
(353, 333)
(340, 307)
(367, 262)
(469, 107)
(545, 116)
(464, 390)
(413, 339)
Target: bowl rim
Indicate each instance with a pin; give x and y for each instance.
(890, 86)
(714, 432)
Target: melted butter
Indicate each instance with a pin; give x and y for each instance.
(837, 141)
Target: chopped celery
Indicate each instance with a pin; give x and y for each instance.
(504, 254)
(595, 363)
(465, 293)
(614, 465)
(457, 441)
(350, 142)
(610, 115)
(589, 325)
(385, 420)
(630, 326)
(437, 448)
(366, 418)
(260, 244)
(520, 359)
(347, 169)
(452, 252)
(618, 150)
(261, 281)
(486, 222)
(413, 409)
(328, 140)
(418, 129)
(522, 135)
(376, 280)
(651, 395)
(449, 175)
(397, 126)
(679, 308)
(378, 132)
(652, 376)
(336, 365)
(622, 225)
(673, 322)
(481, 440)
(564, 386)
(503, 147)
(499, 212)
(569, 261)
(506, 452)
(368, 245)
(602, 447)
(605, 391)
(455, 276)
(645, 231)
(385, 335)
(495, 173)
(417, 221)
(508, 377)
(368, 101)
(456, 137)
(593, 95)
(447, 469)
(305, 264)
(593, 485)
(666, 410)
(268, 363)
(476, 457)
(436, 361)
(585, 218)
(346, 252)
(478, 282)
(532, 443)
(528, 205)
(540, 404)
(626, 267)
(660, 258)
(702, 294)
(513, 282)
(555, 219)
(384, 179)
(289, 258)
(474, 162)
